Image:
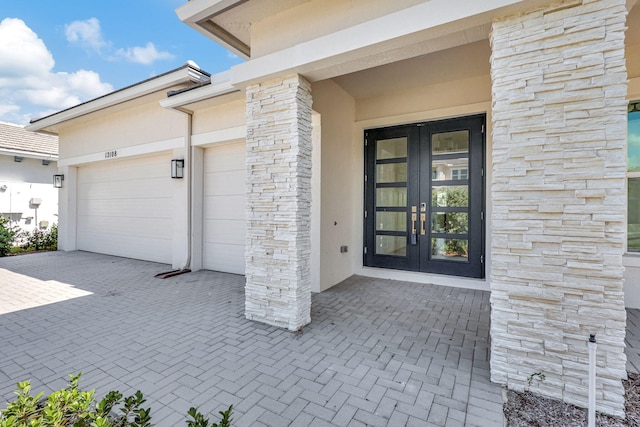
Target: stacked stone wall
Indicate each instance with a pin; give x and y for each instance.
(278, 248)
(559, 200)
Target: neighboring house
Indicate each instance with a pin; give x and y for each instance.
(28, 162)
(479, 144)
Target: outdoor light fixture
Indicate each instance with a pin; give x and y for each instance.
(45, 162)
(17, 159)
(177, 168)
(57, 181)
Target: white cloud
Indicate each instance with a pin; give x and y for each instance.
(87, 34)
(144, 55)
(27, 79)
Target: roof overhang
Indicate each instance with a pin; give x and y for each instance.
(28, 154)
(185, 101)
(183, 75)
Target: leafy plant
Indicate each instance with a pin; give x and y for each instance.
(73, 407)
(200, 421)
(539, 376)
(39, 240)
(7, 236)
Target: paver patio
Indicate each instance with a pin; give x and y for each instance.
(377, 352)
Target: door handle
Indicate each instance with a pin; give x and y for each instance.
(423, 219)
(414, 218)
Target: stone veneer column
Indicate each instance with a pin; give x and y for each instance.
(278, 248)
(559, 200)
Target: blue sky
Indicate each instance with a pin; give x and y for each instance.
(54, 55)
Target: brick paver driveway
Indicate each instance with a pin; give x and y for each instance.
(377, 352)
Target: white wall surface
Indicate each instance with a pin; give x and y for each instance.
(339, 192)
(24, 181)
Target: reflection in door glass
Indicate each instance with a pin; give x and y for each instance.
(391, 221)
(391, 245)
(449, 169)
(391, 196)
(391, 172)
(450, 249)
(450, 222)
(450, 196)
(391, 148)
(450, 142)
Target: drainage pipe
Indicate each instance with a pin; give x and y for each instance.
(188, 152)
(591, 344)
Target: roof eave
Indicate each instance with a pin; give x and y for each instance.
(183, 74)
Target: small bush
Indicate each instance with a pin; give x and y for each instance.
(7, 236)
(40, 240)
(73, 407)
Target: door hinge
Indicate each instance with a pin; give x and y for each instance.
(481, 259)
(366, 142)
(483, 129)
(482, 171)
(482, 216)
(365, 250)
(365, 177)
(365, 214)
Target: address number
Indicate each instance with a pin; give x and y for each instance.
(110, 154)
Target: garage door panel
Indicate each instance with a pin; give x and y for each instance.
(226, 157)
(128, 246)
(119, 208)
(228, 258)
(125, 208)
(225, 231)
(150, 228)
(225, 207)
(145, 188)
(226, 183)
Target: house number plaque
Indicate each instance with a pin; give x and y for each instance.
(110, 154)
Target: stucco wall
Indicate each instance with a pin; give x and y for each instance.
(338, 190)
(314, 19)
(26, 180)
(136, 122)
(219, 117)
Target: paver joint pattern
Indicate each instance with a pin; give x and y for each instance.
(377, 353)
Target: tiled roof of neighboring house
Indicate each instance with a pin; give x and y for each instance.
(16, 138)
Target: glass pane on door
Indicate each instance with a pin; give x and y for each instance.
(391, 197)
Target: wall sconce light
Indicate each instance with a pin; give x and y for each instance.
(45, 162)
(17, 159)
(177, 168)
(57, 181)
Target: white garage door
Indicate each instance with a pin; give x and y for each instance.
(224, 208)
(125, 208)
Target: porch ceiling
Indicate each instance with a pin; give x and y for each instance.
(458, 63)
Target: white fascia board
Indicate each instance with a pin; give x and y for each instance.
(28, 154)
(182, 75)
(197, 10)
(179, 101)
(442, 17)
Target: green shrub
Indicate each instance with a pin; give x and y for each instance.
(73, 407)
(7, 236)
(40, 240)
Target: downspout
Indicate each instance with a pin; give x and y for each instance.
(188, 152)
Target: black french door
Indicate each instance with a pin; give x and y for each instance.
(424, 197)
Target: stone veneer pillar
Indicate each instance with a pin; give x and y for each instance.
(278, 248)
(559, 200)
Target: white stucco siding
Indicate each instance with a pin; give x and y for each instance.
(224, 208)
(125, 208)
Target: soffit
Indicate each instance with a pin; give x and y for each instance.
(458, 63)
(228, 22)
